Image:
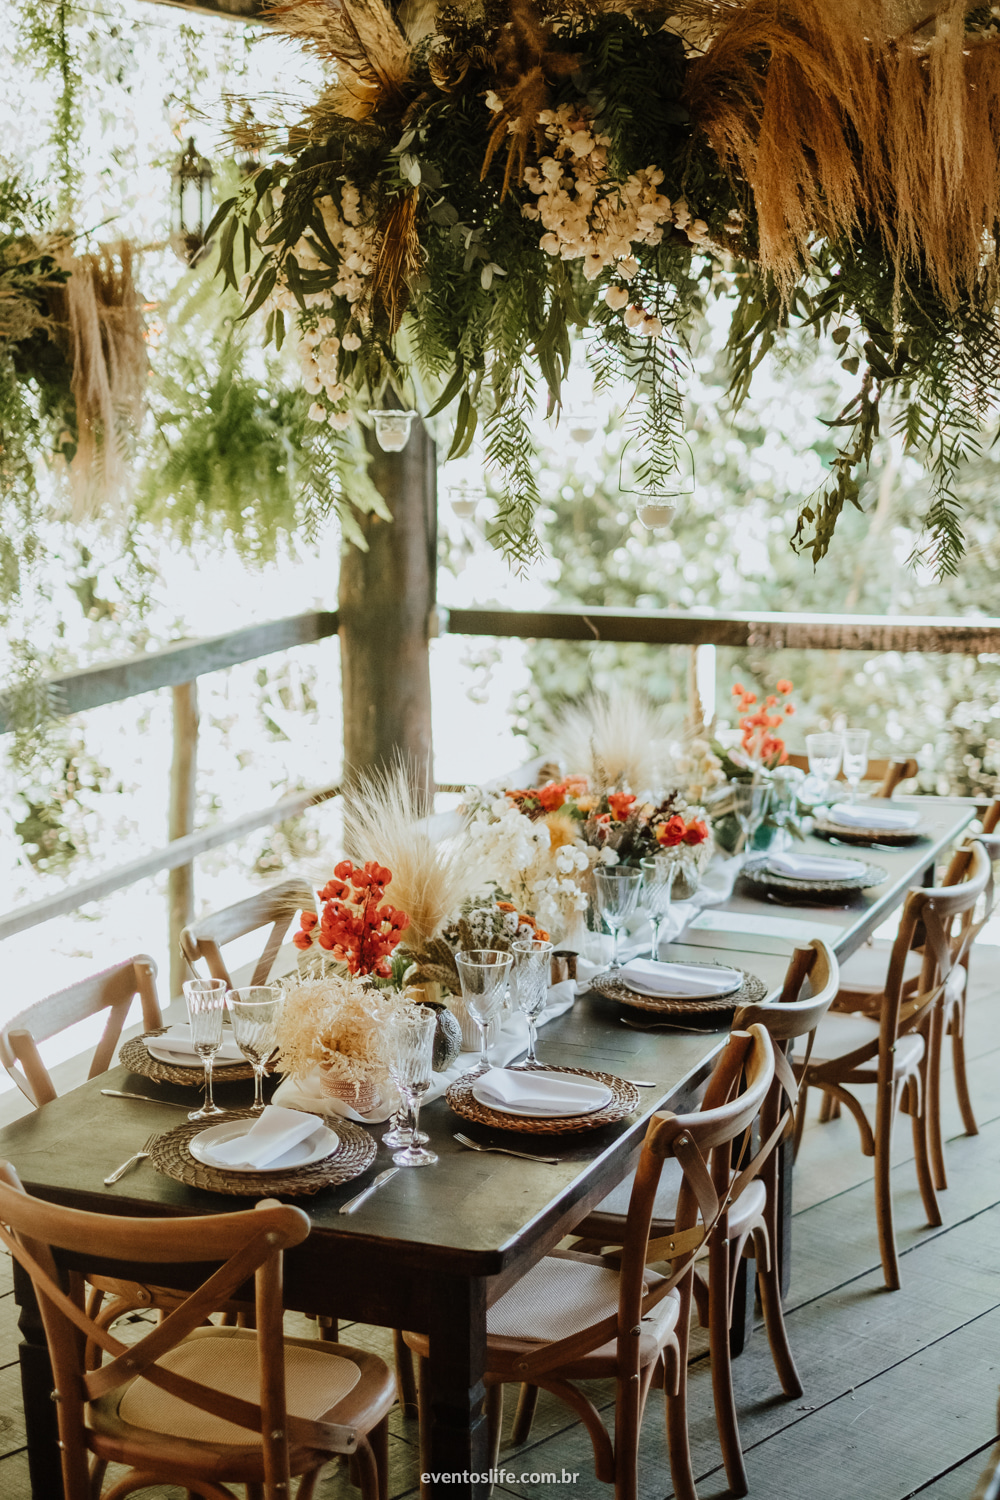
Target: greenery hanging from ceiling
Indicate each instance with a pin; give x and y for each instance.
(467, 194)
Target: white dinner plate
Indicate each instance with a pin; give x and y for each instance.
(160, 1048)
(321, 1143)
(555, 1111)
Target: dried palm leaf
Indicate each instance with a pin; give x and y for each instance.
(361, 40)
(396, 260)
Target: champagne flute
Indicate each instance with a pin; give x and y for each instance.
(411, 1046)
(855, 758)
(824, 752)
(483, 973)
(206, 1007)
(658, 875)
(532, 976)
(750, 802)
(255, 1013)
(618, 889)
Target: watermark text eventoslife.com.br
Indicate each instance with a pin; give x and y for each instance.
(502, 1476)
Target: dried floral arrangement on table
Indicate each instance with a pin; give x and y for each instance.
(337, 1024)
(484, 923)
(462, 198)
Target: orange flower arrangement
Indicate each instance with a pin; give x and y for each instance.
(354, 928)
(759, 744)
(677, 830)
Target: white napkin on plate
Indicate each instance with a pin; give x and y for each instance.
(176, 1046)
(273, 1133)
(868, 815)
(680, 979)
(533, 1091)
(814, 867)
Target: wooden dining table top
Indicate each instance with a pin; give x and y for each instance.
(472, 1212)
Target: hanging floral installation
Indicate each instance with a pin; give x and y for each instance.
(483, 181)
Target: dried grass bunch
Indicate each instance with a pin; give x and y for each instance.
(386, 820)
(106, 335)
(337, 1024)
(618, 739)
(856, 117)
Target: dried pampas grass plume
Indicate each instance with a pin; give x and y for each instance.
(385, 819)
(619, 738)
(361, 41)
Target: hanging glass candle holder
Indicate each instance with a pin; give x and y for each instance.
(656, 511)
(581, 425)
(464, 500)
(392, 429)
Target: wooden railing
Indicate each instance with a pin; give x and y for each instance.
(180, 664)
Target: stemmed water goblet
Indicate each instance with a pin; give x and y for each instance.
(255, 1013)
(483, 973)
(750, 804)
(658, 875)
(411, 1048)
(824, 752)
(855, 758)
(617, 889)
(532, 974)
(401, 1130)
(784, 793)
(206, 1008)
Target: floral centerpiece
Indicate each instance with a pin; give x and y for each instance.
(757, 752)
(352, 927)
(336, 1025)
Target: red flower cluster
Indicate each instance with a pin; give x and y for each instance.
(757, 742)
(353, 928)
(540, 799)
(621, 804)
(676, 831)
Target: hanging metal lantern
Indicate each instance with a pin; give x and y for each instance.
(190, 203)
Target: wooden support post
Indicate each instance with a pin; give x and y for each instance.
(183, 786)
(387, 599)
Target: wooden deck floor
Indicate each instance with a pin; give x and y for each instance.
(900, 1387)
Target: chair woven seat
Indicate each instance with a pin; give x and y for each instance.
(316, 1380)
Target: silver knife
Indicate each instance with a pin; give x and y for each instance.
(373, 1187)
(143, 1098)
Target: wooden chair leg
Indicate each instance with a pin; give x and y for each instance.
(883, 1199)
(378, 1439)
(256, 1491)
(700, 1290)
(922, 1151)
(800, 1118)
(722, 1267)
(628, 1417)
(424, 1430)
(328, 1329)
(365, 1467)
(961, 1077)
(825, 1109)
(527, 1400)
(678, 1442)
(932, 1102)
(769, 1285)
(406, 1379)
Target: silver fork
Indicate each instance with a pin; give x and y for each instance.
(551, 1161)
(138, 1156)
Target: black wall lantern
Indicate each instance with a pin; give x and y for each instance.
(190, 203)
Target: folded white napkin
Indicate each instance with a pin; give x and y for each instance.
(869, 815)
(680, 979)
(271, 1135)
(814, 867)
(540, 1091)
(176, 1046)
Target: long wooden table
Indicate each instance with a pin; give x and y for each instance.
(433, 1249)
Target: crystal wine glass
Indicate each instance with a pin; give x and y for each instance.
(255, 1013)
(750, 803)
(824, 752)
(484, 973)
(855, 758)
(532, 975)
(206, 1007)
(784, 789)
(401, 1130)
(618, 889)
(658, 875)
(411, 1047)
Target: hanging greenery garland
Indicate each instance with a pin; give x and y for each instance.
(481, 181)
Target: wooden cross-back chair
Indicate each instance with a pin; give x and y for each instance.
(195, 1406)
(750, 1224)
(898, 1049)
(112, 990)
(275, 908)
(577, 1317)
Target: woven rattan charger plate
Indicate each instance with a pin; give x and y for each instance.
(889, 838)
(625, 1098)
(757, 873)
(750, 991)
(135, 1056)
(355, 1152)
